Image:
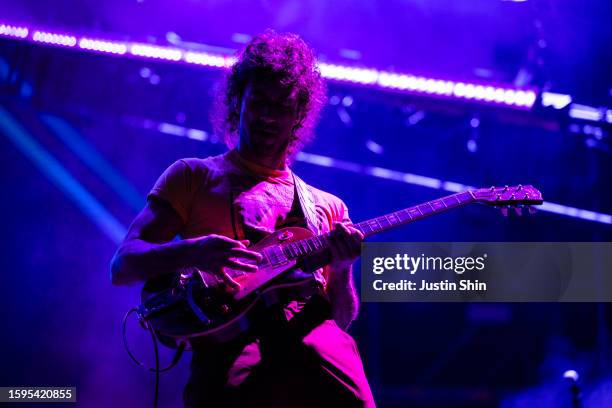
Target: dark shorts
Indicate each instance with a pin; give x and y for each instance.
(317, 365)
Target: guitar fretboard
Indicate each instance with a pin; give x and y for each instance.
(379, 224)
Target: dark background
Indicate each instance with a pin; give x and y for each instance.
(101, 118)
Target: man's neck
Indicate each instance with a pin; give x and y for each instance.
(271, 162)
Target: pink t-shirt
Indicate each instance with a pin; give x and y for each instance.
(263, 199)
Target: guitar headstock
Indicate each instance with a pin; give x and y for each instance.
(508, 196)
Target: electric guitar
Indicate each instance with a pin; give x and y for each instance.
(197, 305)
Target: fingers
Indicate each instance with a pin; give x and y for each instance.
(349, 230)
(229, 281)
(245, 253)
(232, 243)
(240, 266)
(348, 240)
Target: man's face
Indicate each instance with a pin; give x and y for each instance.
(268, 115)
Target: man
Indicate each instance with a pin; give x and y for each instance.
(300, 354)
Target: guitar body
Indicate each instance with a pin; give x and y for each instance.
(200, 308)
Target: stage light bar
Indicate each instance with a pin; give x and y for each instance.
(398, 82)
(111, 47)
(13, 31)
(54, 38)
(557, 101)
(585, 112)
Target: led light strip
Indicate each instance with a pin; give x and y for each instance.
(405, 83)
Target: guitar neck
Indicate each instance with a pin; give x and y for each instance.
(418, 212)
(383, 223)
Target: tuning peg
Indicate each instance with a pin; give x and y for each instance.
(504, 211)
(532, 209)
(518, 211)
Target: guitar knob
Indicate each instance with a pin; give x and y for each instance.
(285, 235)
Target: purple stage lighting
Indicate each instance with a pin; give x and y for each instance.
(206, 59)
(102, 46)
(478, 93)
(54, 38)
(13, 31)
(349, 74)
(156, 52)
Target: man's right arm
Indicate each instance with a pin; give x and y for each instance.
(149, 250)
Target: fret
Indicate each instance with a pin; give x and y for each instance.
(321, 241)
(296, 249)
(315, 243)
(437, 205)
(373, 225)
(385, 218)
(416, 212)
(381, 223)
(307, 244)
(377, 224)
(407, 211)
(392, 219)
(324, 241)
(465, 197)
(451, 204)
(424, 209)
(286, 251)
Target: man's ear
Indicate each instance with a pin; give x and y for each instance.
(301, 116)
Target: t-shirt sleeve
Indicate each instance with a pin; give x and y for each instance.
(338, 211)
(177, 186)
(343, 213)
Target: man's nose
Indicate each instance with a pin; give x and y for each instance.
(265, 111)
(266, 115)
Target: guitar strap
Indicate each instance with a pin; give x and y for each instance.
(307, 203)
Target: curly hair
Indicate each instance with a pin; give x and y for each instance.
(283, 57)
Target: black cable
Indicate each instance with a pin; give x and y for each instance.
(155, 347)
(175, 359)
(156, 370)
